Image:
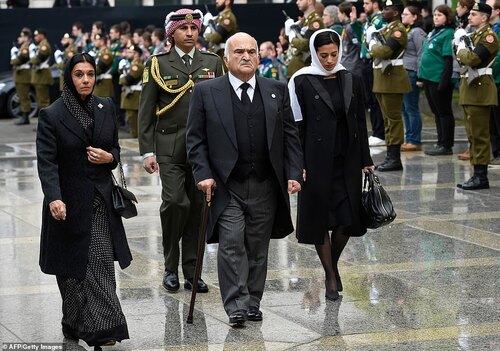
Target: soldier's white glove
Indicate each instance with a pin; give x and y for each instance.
(461, 46)
(459, 33)
(33, 50)
(13, 52)
(122, 64)
(291, 36)
(92, 53)
(208, 30)
(288, 24)
(371, 43)
(206, 19)
(369, 33)
(59, 56)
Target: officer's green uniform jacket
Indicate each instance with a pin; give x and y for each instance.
(482, 91)
(40, 70)
(69, 52)
(104, 81)
(373, 20)
(299, 48)
(131, 86)
(22, 69)
(166, 135)
(225, 26)
(395, 78)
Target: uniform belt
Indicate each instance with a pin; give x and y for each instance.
(136, 88)
(487, 71)
(396, 62)
(104, 76)
(23, 67)
(44, 65)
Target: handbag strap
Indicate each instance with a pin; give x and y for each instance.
(122, 175)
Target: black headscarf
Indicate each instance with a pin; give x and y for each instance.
(82, 110)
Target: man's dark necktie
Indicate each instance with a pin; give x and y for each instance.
(245, 99)
(186, 60)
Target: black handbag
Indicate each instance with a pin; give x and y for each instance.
(376, 204)
(123, 199)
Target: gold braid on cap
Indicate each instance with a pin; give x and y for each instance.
(155, 73)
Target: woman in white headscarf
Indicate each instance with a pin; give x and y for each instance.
(327, 102)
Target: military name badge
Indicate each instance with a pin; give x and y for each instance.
(490, 39)
(145, 75)
(397, 34)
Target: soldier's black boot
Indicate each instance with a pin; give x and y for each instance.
(392, 161)
(478, 181)
(24, 119)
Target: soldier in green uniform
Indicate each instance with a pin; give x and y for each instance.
(390, 80)
(130, 79)
(477, 90)
(167, 84)
(61, 57)
(299, 34)
(41, 78)
(220, 28)
(104, 64)
(19, 57)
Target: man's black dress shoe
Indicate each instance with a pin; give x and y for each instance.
(438, 150)
(202, 286)
(239, 317)
(254, 314)
(171, 281)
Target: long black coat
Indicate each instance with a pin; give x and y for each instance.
(67, 175)
(318, 145)
(213, 149)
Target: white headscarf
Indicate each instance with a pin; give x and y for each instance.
(315, 68)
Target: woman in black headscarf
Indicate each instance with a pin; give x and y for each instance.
(77, 148)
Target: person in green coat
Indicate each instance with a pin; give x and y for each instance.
(41, 78)
(167, 85)
(477, 90)
(19, 57)
(130, 79)
(390, 80)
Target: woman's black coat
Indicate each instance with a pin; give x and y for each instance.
(67, 175)
(318, 145)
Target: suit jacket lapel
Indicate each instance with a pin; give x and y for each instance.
(99, 116)
(74, 127)
(225, 109)
(346, 82)
(322, 92)
(197, 61)
(270, 107)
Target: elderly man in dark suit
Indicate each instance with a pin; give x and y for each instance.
(245, 152)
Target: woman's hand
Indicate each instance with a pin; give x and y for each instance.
(98, 156)
(369, 169)
(58, 210)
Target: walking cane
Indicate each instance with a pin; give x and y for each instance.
(199, 259)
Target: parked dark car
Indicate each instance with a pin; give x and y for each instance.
(9, 101)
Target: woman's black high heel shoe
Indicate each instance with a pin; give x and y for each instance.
(331, 294)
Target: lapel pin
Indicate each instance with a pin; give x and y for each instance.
(273, 96)
(100, 105)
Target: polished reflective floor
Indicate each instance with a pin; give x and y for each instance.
(429, 281)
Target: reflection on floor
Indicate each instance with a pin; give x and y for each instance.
(430, 281)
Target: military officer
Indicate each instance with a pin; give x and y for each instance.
(19, 57)
(390, 80)
(477, 90)
(130, 79)
(299, 34)
(104, 64)
(41, 78)
(167, 83)
(220, 28)
(61, 57)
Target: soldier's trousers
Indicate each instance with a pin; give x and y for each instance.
(391, 106)
(180, 214)
(477, 126)
(42, 92)
(131, 116)
(23, 91)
